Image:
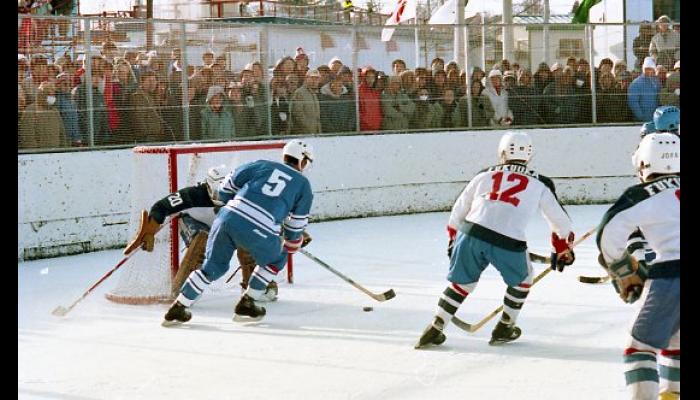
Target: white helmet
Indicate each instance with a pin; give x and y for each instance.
(658, 153)
(299, 150)
(515, 146)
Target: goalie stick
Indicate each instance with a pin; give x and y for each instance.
(471, 328)
(389, 294)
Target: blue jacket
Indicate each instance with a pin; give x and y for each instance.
(643, 97)
(69, 113)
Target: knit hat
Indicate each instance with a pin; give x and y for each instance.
(677, 65)
(663, 19)
(333, 60)
(555, 67)
(495, 72)
(213, 91)
(649, 63)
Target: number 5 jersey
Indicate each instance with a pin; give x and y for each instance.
(504, 197)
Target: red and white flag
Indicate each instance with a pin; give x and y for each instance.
(404, 10)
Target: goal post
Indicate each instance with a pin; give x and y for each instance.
(158, 171)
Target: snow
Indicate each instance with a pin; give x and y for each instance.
(316, 341)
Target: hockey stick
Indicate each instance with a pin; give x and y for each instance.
(61, 311)
(471, 328)
(389, 294)
(593, 279)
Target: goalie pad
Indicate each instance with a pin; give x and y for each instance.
(145, 237)
(192, 260)
(628, 276)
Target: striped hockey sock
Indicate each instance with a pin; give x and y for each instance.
(670, 370)
(451, 299)
(513, 302)
(262, 276)
(641, 375)
(193, 288)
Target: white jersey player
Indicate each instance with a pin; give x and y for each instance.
(487, 226)
(653, 208)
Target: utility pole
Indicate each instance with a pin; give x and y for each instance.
(149, 25)
(507, 18)
(458, 45)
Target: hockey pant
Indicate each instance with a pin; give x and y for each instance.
(228, 232)
(653, 354)
(470, 258)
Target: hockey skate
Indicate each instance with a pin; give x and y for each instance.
(432, 334)
(504, 333)
(669, 396)
(176, 315)
(270, 293)
(247, 311)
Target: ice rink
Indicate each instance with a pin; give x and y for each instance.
(316, 342)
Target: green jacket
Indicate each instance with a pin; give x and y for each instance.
(397, 111)
(217, 125)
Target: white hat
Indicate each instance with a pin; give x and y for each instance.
(649, 63)
(334, 59)
(555, 67)
(495, 72)
(213, 91)
(677, 65)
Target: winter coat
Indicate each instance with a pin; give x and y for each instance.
(217, 125)
(146, 123)
(397, 111)
(337, 112)
(102, 134)
(499, 102)
(69, 114)
(444, 115)
(611, 106)
(560, 104)
(666, 48)
(279, 116)
(424, 115)
(526, 104)
(643, 97)
(305, 112)
(370, 108)
(482, 112)
(667, 96)
(41, 128)
(196, 107)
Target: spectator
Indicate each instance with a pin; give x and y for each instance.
(39, 73)
(610, 101)
(482, 111)
(335, 64)
(424, 114)
(41, 126)
(438, 64)
(217, 120)
(661, 73)
(452, 66)
(493, 90)
(145, 121)
(292, 82)
(116, 102)
(573, 63)
(346, 77)
(525, 101)
(284, 67)
(505, 66)
(583, 93)
(109, 51)
(337, 107)
(255, 101)
(454, 83)
(677, 66)
(197, 96)
(208, 58)
(665, 46)
(445, 109)
(509, 80)
(175, 63)
(325, 73)
(620, 67)
(398, 66)
(670, 95)
(130, 56)
(397, 107)
(478, 74)
(369, 101)
(172, 109)
(605, 65)
(279, 107)
(516, 68)
(101, 132)
(422, 80)
(437, 85)
(243, 117)
(304, 107)
(258, 72)
(622, 83)
(641, 44)
(643, 93)
(543, 76)
(302, 64)
(408, 83)
(52, 71)
(560, 104)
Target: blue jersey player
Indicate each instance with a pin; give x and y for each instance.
(266, 210)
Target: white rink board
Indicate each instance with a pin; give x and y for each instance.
(68, 201)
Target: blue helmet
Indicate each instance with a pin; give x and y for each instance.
(647, 128)
(667, 118)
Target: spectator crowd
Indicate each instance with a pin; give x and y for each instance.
(139, 97)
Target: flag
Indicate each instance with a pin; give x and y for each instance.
(447, 13)
(581, 15)
(405, 10)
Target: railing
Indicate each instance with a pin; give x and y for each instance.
(153, 85)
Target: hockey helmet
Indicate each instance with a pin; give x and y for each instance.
(658, 153)
(667, 118)
(299, 150)
(515, 145)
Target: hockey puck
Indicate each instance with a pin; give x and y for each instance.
(367, 309)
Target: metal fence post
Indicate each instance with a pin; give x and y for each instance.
(264, 51)
(185, 82)
(483, 42)
(591, 62)
(355, 80)
(467, 76)
(88, 82)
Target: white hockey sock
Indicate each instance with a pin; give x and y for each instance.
(513, 302)
(452, 298)
(670, 371)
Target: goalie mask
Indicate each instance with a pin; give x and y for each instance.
(515, 146)
(215, 176)
(658, 153)
(299, 150)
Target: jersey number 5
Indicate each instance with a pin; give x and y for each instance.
(276, 183)
(507, 195)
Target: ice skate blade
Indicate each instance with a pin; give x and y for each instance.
(245, 318)
(168, 324)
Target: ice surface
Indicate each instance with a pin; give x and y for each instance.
(316, 341)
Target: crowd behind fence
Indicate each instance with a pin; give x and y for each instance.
(80, 86)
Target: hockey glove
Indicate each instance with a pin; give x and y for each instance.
(307, 239)
(563, 253)
(452, 233)
(293, 245)
(145, 237)
(628, 277)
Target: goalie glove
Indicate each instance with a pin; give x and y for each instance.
(145, 237)
(563, 253)
(215, 176)
(452, 234)
(628, 276)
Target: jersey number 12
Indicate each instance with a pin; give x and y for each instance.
(276, 183)
(508, 194)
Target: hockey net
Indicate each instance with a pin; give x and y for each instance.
(158, 171)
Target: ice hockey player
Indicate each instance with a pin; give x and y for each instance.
(197, 206)
(487, 226)
(653, 207)
(266, 210)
